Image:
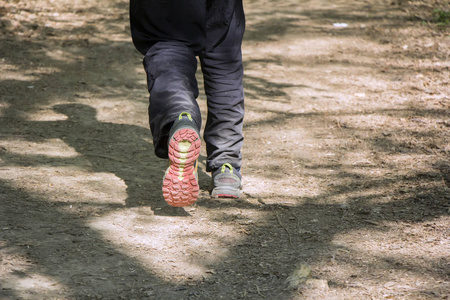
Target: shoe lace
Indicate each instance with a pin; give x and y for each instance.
(185, 114)
(226, 165)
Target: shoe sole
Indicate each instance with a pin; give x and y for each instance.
(180, 185)
(226, 193)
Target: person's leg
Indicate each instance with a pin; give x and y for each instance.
(170, 68)
(175, 117)
(170, 34)
(223, 74)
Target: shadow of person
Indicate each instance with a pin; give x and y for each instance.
(121, 149)
(115, 148)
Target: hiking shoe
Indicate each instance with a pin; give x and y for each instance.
(226, 182)
(180, 184)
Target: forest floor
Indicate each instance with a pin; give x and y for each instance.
(346, 159)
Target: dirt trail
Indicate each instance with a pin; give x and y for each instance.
(346, 164)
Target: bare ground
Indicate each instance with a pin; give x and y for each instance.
(346, 164)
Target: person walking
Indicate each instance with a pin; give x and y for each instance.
(171, 34)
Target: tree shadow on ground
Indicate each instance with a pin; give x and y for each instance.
(60, 249)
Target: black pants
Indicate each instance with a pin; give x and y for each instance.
(171, 34)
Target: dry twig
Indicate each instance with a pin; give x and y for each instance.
(285, 229)
(259, 291)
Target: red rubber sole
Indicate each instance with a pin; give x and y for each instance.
(226, 196)
(180, 185)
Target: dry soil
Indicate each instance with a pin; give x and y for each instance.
(346, 159)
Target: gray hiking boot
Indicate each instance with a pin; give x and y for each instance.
(226, 182)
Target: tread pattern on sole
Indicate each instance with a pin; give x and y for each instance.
(180, 185)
